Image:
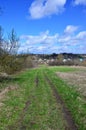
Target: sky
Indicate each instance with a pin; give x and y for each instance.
(46, 26)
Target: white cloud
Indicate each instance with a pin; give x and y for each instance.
(81, 35)
(80, 2)
(70, 29)
(46, 43)
(63, 39)
(43, 8)
(43, 38)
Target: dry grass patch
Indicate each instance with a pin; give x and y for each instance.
(76, 78)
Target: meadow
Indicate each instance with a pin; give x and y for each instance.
(44, 98)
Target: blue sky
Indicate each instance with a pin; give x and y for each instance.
(46, 26)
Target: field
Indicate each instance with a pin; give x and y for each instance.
(44, 98)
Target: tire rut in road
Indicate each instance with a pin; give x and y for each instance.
(67, 115)
(19, 123)
(37, 81)
(22, 127)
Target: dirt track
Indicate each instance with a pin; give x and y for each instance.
(67, 115)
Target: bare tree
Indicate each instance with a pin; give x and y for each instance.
(11, 45)
(13, 42)
(9, 60)
(9, 48)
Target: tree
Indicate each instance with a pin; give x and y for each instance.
(9, 61)
(60, 59)
(13, 42)
(9, 48)
(12, 64)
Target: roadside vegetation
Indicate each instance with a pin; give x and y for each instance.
(10, 61)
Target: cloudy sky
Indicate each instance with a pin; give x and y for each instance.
(46, 26)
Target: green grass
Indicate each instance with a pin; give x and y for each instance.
(32, 106)
(16, 100)
(42, 113)
(73, 99)
(62, 69)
